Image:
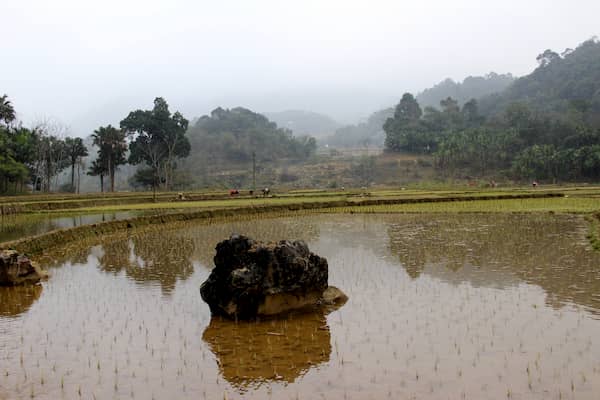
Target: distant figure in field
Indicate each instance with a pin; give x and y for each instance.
(233, 192)
(534, 184)
(251, 192)
(266, 192)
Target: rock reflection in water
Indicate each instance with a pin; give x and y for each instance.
(17, 300)
(251, 353)
(149, 259)
(479, 320)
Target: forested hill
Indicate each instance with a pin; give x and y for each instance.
(545, 126)
(367, 133)
(232, 135)
(302, 122)
(472, 87)
(371, 131)
(566, 83)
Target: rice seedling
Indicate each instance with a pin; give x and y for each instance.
(456, 292)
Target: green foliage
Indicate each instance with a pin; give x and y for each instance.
(17, 144)
(480, 149)
(233, 135)
(158, 140)
(472, 87)
(545, 126)
(75, 151)
(112, 148)
(7, 111)
(371, 131)
(51, 159)
(563, 86)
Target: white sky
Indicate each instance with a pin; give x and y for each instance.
(89, 63)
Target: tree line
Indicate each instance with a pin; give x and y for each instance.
(36, 156)
(556, 137)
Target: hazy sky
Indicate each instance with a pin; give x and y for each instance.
(88, 63)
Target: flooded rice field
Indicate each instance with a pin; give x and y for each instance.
(440, 307)
(13, 227)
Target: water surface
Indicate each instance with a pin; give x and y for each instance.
(441, 307)
(13, 227)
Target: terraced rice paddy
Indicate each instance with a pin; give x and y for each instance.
(442, 306)
(18, 226)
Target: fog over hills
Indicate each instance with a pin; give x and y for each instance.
(90, 63)
(304, 122)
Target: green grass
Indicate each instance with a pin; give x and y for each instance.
(207, 204)
(554, 204)
(110, 202)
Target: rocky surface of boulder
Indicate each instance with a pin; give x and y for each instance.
(253, 278)
(18, 269)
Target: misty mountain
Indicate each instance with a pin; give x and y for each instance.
(545, 126)
(233, 135)
(371, 131)
(472, 87)
(302, 122)
(367, 133)
(565, 85)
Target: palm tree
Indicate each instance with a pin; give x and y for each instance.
(75, 150)
(97, 169)
(7, 112)
(111, 150)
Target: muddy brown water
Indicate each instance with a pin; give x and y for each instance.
(441, 307)
(13, 227)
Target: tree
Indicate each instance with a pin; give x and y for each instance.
(111, 153)
(470, 113)
(547, 57)
(405, 131)
(75, 151)
(98, 169)
(408, 109)
(158, 138)
(449, 105)
(7, 112)
(52, 158)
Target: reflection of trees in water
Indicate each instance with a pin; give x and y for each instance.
(14, 227)
(18, 226)
(542, 249)
(252, 353)
(150, 258)
(18, 299)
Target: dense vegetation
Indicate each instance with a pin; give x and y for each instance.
(158, 140)
(544, 126)
(32, 155)
(234, 135)
(370, 132)
(472, 87)
(231, 147)
(38, 156)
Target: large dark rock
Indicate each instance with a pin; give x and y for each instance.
(253, 279)
(17, 269)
